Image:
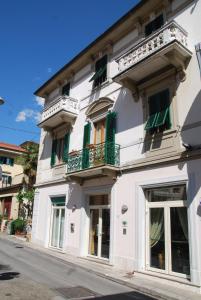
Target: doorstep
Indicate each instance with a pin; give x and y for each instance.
(96, 260)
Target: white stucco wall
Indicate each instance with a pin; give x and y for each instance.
(127, 251)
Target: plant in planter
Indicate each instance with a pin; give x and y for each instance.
(90, 146)
(74, 152)
(18, 226)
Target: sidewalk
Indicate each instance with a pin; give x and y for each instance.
(152, 286)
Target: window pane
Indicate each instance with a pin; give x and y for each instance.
(66, 89)
(154, 25)
(105, 247)
(173, 193)
(55, 228)
(94, 231)
(179, 240)
(157, 238)
(62, 221)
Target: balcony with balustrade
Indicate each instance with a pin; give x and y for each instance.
(63, 109)
(94, 161)
(165, 48)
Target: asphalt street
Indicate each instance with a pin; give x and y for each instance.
(28, 274)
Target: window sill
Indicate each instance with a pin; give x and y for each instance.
(105, 83)
(165, 132)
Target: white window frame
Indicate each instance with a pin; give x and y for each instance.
(51, 226)
(166, 205)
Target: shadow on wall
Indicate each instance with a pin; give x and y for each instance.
(128, 111)
(74, 196)
(191, 137)
(95, 95)
(192, 123)
(47, 147)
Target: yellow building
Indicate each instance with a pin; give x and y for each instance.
(12, 179)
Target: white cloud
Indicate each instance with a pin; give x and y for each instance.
(28, 114)
(37, 116)
(49, 70)
(39, 100)
(21, 116)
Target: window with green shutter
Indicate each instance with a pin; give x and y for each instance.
(11, 163)
(60, 149)
(100, 72)
(66, 89)
(6, 160)
(159, 112)
(110, 138)
(53, 154)
(86, 141)
(66, 147)
(154, 25)
(9, 180)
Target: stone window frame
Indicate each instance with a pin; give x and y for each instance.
(159, 83)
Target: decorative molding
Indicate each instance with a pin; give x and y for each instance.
(169, 33)
(61, 103)
(132, 86)
(99, 106)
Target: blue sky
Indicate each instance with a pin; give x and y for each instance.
(37, 38)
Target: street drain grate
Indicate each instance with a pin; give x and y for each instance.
(77, 292)
(18, 246)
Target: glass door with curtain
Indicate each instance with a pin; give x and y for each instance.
(57, 223)
(167, 231)
(99, 229)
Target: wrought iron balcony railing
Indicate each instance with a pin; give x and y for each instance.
(166, 35)
(94, 156)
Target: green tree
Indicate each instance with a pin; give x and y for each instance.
(29, 161)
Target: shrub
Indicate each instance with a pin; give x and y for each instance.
(18, 225)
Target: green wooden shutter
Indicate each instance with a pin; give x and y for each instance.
(159, 112)
(110, 127)
(86, 138)
(53, 155)
(165, 106)
(86, 141)
(66, 147)
(100, 71)
(110, 138)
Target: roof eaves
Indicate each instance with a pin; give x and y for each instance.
(99, 38)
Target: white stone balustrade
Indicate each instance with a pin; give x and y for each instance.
(166, 35)
(63, 102)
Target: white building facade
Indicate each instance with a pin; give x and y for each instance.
(119, 170)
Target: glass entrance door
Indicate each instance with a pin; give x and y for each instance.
(58, 218)
(168, 246)
(99, 232)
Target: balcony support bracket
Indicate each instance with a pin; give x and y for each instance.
(76, 179)
(132, 86)
(110, 173)
(178, 63)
